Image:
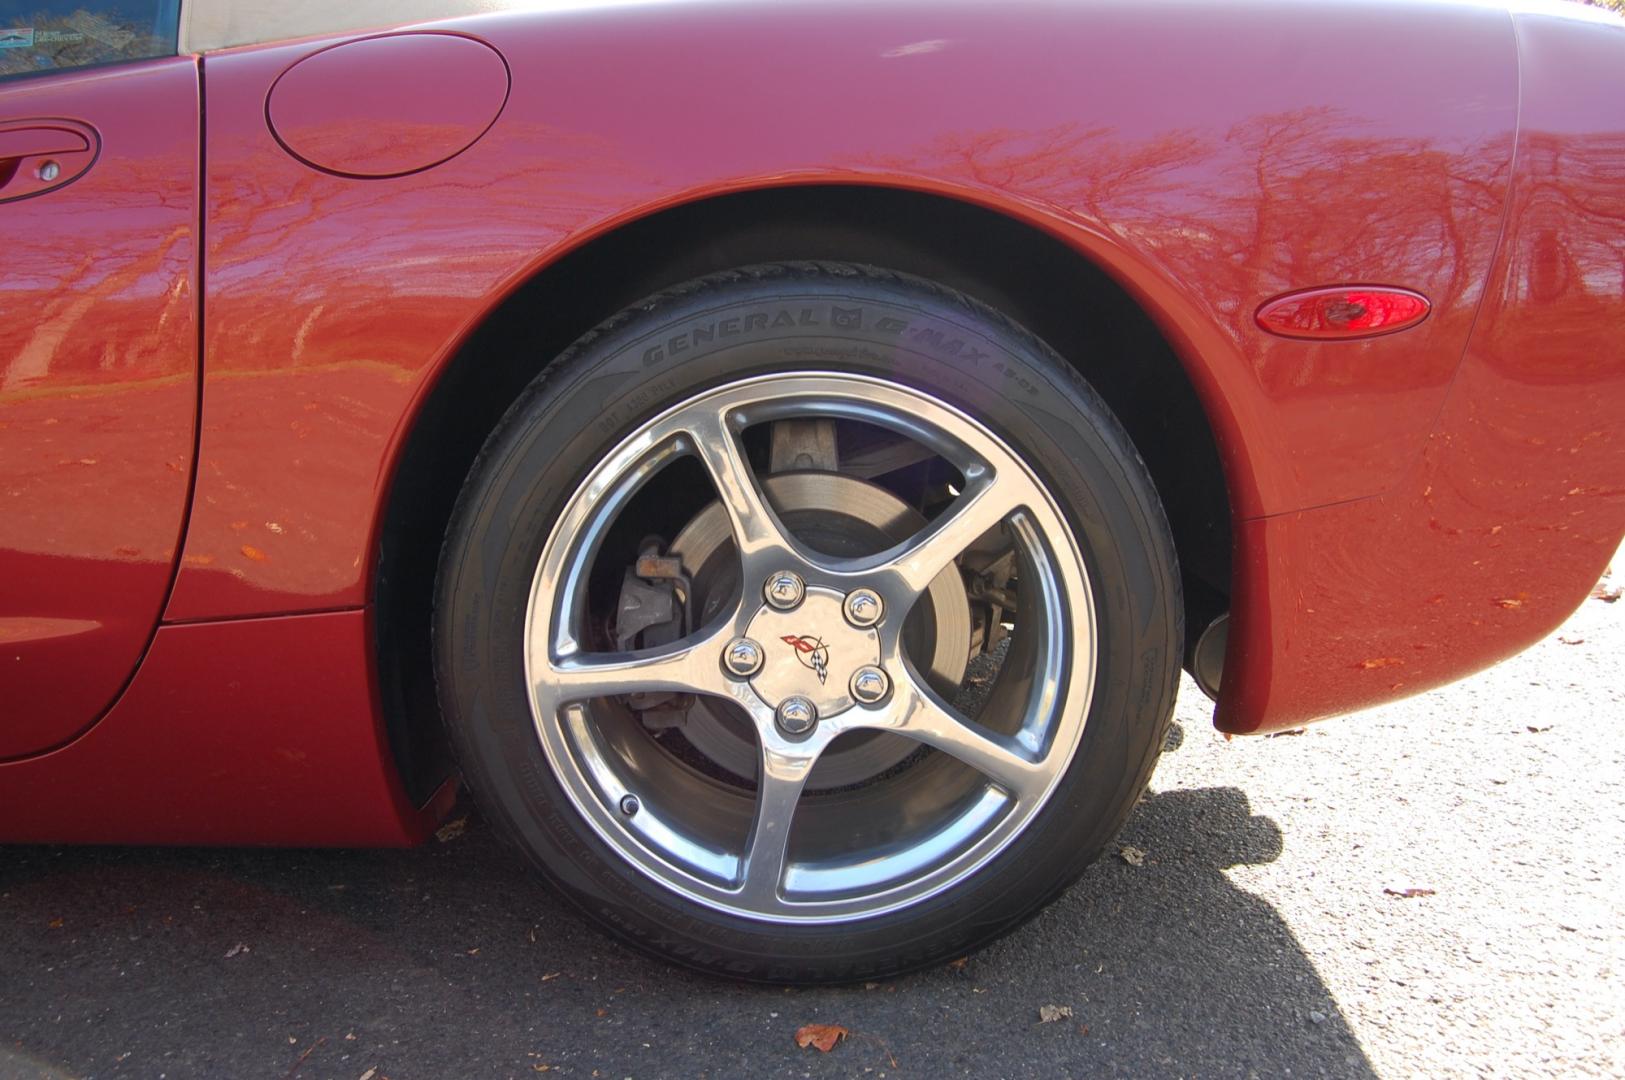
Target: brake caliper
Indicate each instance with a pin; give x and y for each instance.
(654, 610)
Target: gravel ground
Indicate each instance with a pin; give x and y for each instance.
(1258, 935)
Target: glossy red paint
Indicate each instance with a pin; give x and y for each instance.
(1202, 192)
(1519, 500)
(366, 108)
(261, 731)
(1342, 313)
(98, 388)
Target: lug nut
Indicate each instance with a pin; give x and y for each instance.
(784, 590)
(796, 715)
(863, 608)
(630, 805)
(743, 657)
(869, 684)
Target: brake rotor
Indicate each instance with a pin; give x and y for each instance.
(845, 517)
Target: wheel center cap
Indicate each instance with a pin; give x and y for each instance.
(811, 652)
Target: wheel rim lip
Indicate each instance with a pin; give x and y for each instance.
(566, 734)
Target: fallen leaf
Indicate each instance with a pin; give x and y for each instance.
(551, 975)
(1049, 1014)
(1132, 855)
(821, 1036)
(451, 830)
(958, 965)
(369, 1074)
(56, 923)
(1408, 894)
(309, 1050)
(1604, 593)
(601, 1013)
(236, 950)
(1565, 639)
(1533, 730)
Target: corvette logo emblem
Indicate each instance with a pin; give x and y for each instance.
(812, 652)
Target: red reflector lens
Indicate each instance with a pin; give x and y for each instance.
(1341, 313)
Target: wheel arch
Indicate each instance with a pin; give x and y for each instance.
(1098, 306)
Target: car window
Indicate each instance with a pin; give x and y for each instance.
(54, 35)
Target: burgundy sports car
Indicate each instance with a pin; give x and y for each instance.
(776, 456)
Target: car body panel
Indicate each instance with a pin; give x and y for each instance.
(1519, 500)
(253, 731)
(334, 303)
(98, 391)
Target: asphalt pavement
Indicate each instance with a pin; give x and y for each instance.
(1432, 888)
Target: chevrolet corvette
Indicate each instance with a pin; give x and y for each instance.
(776, 457)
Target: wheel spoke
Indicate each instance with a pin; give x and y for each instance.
(998, 757)
(688, 666)
(755, 527)
(782, 777)
(978, 509)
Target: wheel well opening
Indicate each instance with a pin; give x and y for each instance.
(1033, 278)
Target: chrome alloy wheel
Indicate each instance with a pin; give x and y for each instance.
(834, 663)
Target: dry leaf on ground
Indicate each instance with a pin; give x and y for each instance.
(822, 1036)
(451, 830)
(1049, 1014)
(1604, 593)
(1132, 855)
(1408, 894)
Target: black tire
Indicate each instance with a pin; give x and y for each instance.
(624, 372)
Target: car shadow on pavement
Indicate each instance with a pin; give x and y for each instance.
(451, 961)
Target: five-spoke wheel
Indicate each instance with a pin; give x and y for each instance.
(808, 623)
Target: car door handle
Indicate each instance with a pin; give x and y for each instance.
(37, 156)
